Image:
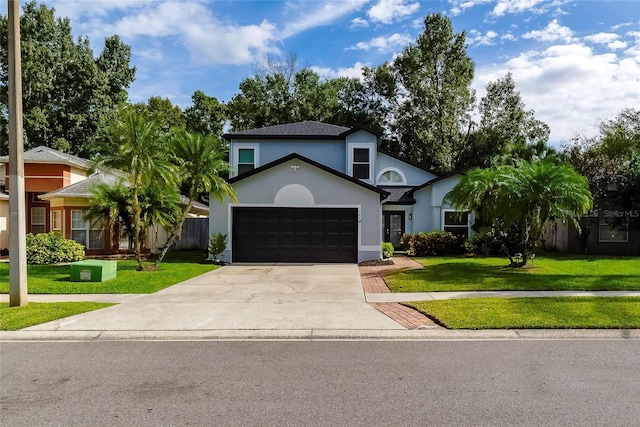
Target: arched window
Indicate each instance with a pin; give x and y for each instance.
(391, 176)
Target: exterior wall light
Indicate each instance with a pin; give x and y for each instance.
(295, 168)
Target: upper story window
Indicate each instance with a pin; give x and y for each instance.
(246, 160)
(361, 165)
(391, 176)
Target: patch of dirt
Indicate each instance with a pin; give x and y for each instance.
(387, 261)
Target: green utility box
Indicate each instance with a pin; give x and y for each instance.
(93, 270)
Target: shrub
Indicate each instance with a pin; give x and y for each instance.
(387, 249)
(217, 244)
(434, 243)
(52, 248)
(4, 252)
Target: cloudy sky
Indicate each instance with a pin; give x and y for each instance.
(574, 62)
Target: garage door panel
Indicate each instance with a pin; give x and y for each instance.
(294, 234)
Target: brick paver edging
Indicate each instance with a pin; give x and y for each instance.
(372, 277)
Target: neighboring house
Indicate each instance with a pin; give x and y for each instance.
(315, 192)
(58, 188)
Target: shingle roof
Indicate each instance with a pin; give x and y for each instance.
(44, 154)
(82, 189)
(307, 129)
(399, 195)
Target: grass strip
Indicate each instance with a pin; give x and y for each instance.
(14, 318)
(534, 313)
(55, 279)
(552, 273)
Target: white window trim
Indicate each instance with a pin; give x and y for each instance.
(442, 224)
(603, 221)
(53, 220)
(87, 229)
(235, 154)
(372, 150)
(390, 169)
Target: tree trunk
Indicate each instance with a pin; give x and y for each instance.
(175, 232)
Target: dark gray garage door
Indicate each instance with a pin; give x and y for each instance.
(295, 235)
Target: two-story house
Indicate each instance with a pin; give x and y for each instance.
(316, 192)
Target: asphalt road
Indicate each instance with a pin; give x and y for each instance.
(586, 383)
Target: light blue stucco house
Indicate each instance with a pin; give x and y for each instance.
(315, 192)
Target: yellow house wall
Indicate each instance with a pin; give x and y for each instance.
(4, 223)
(77, 175)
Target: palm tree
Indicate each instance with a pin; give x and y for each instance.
(200, 160)
(133, 143)
(110, 203)
(524, 197)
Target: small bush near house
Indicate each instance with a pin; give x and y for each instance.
(4, 252)
(52, 248)
(387, 249)
(434, 243)
(484, 244)
(217, 244)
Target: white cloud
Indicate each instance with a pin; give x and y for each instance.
(386, 11)
(514, 6)
(384, 44)
(479, 39)
(461, 6)
(359, 23)
(320, 13)
(571, 86)
(618, 44)
(207, 39)
(331, 73)
(552, 32)
(508, 36)
(602, 38)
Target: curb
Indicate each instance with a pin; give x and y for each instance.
(325, 335)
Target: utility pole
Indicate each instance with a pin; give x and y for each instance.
(17, 222)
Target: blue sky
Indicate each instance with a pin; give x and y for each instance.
(574, 62)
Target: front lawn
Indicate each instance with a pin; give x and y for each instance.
(14, 318)
(549, 272)
(54, 279)
(534, 313)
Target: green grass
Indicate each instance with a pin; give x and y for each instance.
(554, 273)
(55, 279)
(14, 318)
(534, 313)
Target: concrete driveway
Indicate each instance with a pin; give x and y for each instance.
(244, 297)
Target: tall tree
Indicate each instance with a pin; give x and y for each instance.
(133, 143)
(163, 111)
(506, 130)
(526, 196)
(428, 97)
(611, 163)
(206, 116)
(277, 99)
(66, 90)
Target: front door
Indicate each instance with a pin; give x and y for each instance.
(393, 227)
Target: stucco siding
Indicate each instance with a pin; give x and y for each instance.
(307, 186)
(414, 175)
(329, 152)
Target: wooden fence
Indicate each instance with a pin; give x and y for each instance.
(195, 235)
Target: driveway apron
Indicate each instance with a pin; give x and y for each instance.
(244, 297)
